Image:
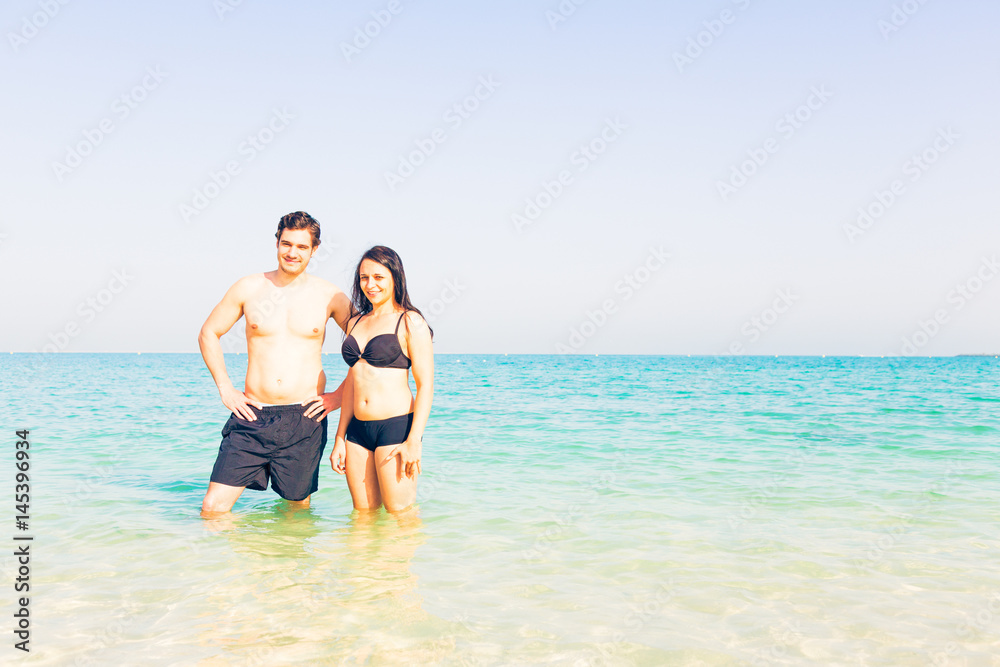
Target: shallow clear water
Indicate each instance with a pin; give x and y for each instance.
(573, 511)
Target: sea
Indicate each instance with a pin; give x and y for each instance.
(573, 510)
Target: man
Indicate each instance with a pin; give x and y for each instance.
(278, 428)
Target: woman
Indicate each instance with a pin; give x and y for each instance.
(381, 423)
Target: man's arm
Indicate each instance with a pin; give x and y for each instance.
(340, 309)
(220, 321)
(319, 407)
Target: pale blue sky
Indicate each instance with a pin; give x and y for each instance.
(677, 132)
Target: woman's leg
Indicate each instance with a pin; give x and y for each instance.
(398, 490)
(362, 478)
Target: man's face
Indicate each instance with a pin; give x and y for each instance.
(295, 249)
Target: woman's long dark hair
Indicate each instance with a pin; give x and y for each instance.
(388, 258)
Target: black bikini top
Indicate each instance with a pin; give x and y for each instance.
(382, 351)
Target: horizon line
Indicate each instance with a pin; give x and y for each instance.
(597, 354)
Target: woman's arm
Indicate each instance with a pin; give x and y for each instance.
(338, 457)
(421, 349)
(421, 353)
(347, 404)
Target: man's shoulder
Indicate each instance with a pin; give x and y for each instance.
(247, 285)
(336, 301)
(323, 286)
(253, 281)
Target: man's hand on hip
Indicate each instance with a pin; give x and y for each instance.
(239, 404)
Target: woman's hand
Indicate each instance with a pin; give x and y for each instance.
(338, 457)
(409, 457)
(322, 405)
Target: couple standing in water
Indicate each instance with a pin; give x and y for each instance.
(278, 429)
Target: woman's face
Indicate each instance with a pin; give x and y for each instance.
(376, 282)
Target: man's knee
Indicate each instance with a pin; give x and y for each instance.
(215, 507)
(214, 503)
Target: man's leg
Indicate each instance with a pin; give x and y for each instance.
(220, 498)
(294, 469)
(241, 464)
(300, 504)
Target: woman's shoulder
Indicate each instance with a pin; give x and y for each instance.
(354, 319)
(414, 321)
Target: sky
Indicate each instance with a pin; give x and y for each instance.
(584, 176)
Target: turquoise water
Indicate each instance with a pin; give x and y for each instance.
(573, 511)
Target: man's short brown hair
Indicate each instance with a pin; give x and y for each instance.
(299, 220)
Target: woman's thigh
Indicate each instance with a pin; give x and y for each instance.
(398, 490)
(362, 478)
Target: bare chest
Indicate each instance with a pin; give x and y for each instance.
(274, 312)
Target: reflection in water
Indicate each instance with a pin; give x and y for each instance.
(257, 604)
(283, 515)
(375, 570)
(379, 549)
(300, 588)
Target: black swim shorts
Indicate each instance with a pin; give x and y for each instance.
(379, 432)
(282, 445)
